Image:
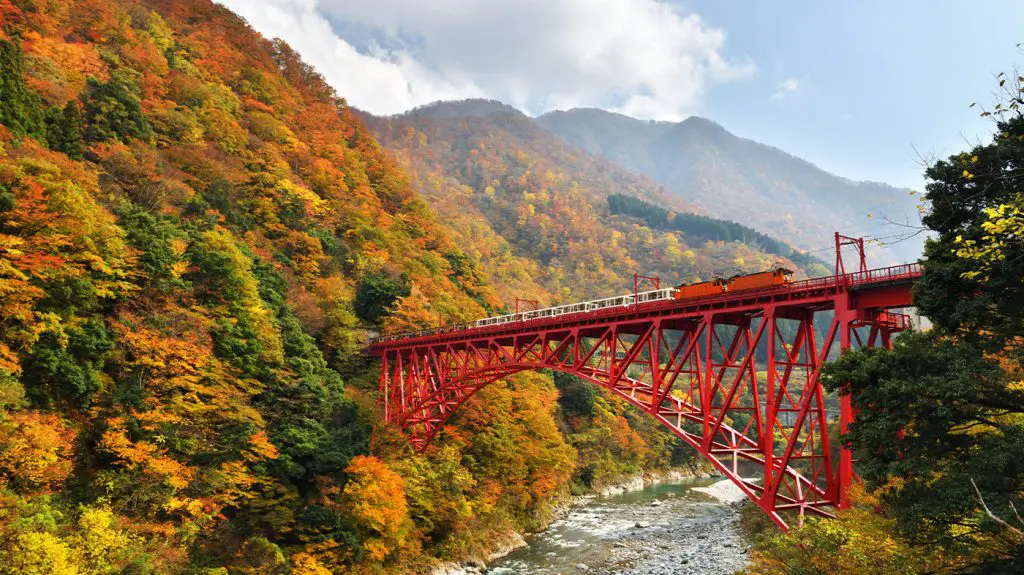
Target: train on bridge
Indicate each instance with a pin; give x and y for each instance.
(717, 286)
(691, 356)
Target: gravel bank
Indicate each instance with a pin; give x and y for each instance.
(667, 530)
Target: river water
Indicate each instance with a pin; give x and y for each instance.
(665, 529)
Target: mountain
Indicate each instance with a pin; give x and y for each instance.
(525, 202)
(197, 235)
(472, 108)
(700, 162)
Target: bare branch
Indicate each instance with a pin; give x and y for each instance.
(905, 224)
(1017, 515)
(925, 161)
(992, 516)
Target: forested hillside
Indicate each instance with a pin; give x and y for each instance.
(742, 180)
(196, 236)
(535, 210)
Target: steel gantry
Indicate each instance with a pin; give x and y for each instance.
(736, 376)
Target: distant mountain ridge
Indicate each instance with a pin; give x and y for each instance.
(461, 109)
(700, 164)
(739, 179)
(524, 130)
(528, 204)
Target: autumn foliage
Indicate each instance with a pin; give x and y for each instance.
(36, 453)
(535, 210)
(197, 237)
(375, 501)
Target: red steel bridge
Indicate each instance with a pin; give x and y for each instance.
(734, 375)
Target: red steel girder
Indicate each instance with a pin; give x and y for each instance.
(734, 377)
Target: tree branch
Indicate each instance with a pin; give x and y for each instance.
(1017, 515)
(992, 516)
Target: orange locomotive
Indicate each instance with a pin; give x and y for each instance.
(702, 289)
(770, 278)
(717, 286)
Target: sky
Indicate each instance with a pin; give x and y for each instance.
(866, 89)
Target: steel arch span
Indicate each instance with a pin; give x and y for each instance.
(735, 376)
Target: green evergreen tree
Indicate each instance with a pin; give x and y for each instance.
(377, 293)
(64, 130)
(20, 108)
(113, 111)
(152, 236)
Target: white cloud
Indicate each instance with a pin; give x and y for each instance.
(845, 116)
(639, 57)
(787, 87)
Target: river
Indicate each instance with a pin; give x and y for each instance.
(663, 529)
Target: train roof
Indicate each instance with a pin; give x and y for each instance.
(719, 279)
(715, 279)
(768, 271)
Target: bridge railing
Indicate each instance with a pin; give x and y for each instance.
(891, 273)
(853, 279)
(622, 301)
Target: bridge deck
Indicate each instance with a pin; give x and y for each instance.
(735, 376)
(868, 285)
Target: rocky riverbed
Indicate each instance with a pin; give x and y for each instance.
(689, 526)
